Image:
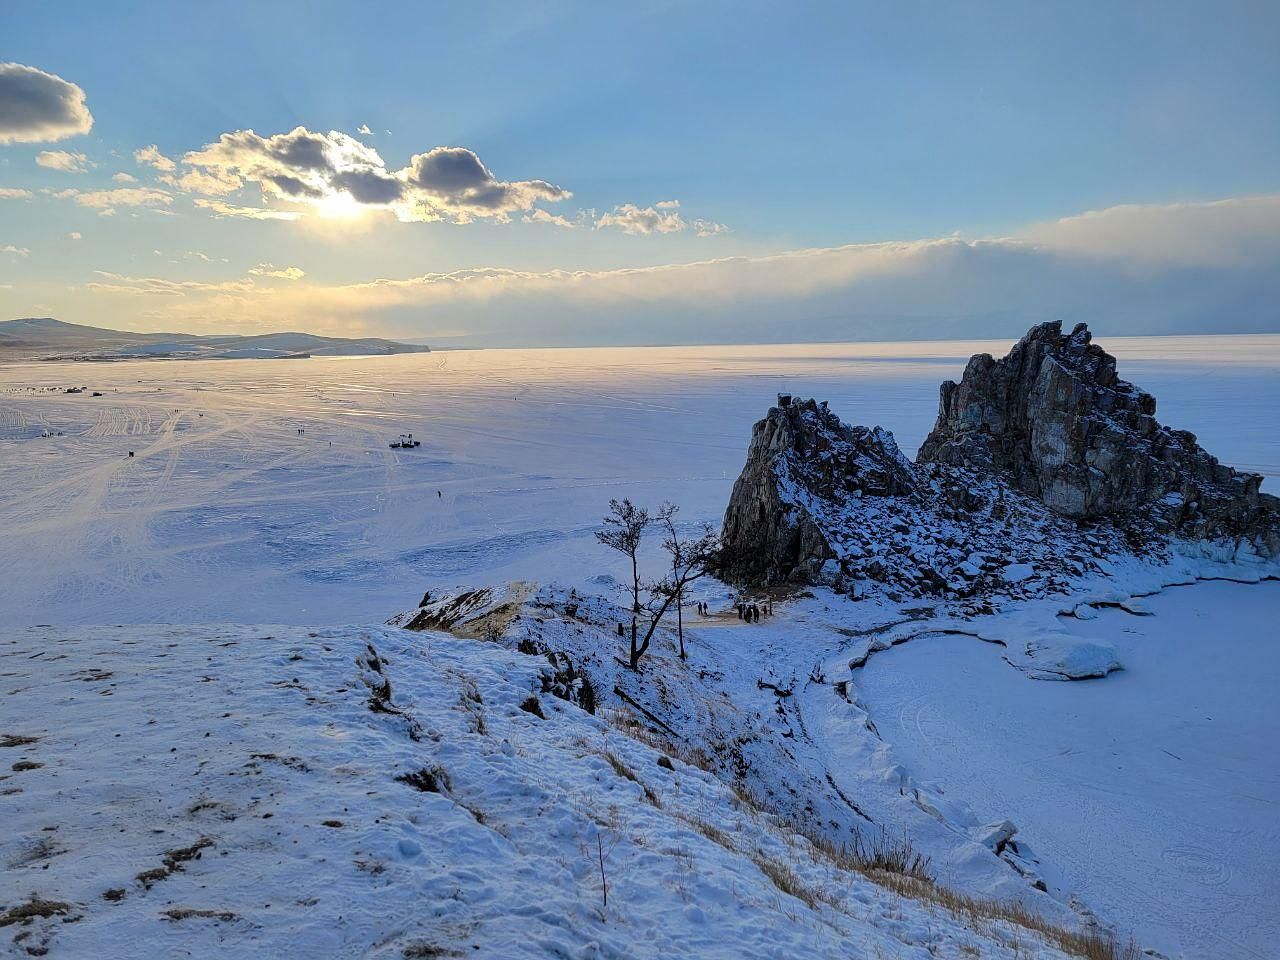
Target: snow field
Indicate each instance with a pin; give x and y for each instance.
(229, 792)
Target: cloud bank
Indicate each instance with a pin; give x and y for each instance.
(39, 107)
(1128, 270)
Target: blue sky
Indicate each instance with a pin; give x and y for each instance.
(776, 128)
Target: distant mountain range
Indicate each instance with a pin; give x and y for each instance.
(47, 339)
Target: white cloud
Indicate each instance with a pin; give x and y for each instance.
(662, 217)
(220, 208)
(364, 128)
(279, 273)
(15, 193)
(123, 177)
(106, 202)
(151, 156)
(63, 160)
(335, 171)
(159, 287)
(1221, 233)
(709, 228)
(39, 107)
(75, 235)
(9, 248)
(542, 216)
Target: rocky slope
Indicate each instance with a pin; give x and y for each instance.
(1042, 465)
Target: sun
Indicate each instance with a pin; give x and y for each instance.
(339, 206)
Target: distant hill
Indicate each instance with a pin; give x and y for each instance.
(43, 338)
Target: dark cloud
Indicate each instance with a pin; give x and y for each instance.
(448, 171)
(39, 107)
(369, 186)
(293, 187)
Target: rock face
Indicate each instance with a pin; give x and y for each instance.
(1056, 421)
(800, 454)
(1041, 464)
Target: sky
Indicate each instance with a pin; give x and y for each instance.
(601, 173)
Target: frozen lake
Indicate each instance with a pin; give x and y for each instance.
(227, 512)
(1155, 793)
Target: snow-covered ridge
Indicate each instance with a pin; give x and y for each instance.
(250, 791)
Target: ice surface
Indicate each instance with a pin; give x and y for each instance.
(1154, 792)
(228, 513)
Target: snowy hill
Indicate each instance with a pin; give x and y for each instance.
(260, 791)
(47, 338)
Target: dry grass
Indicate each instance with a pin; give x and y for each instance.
(33, 909)
(895, 865)
(783, 877)
(981, 914)
(16, 740)
(892, 863)
(622, 770)
(433, 779)
(708, 830)
(189, 913)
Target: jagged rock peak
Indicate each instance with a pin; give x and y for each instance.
(1054, 419)
(799, 451)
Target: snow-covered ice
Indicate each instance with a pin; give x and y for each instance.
(1153, 792)
(228, 512)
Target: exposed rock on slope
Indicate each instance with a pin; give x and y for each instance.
(1058, 423)
(1041, 465)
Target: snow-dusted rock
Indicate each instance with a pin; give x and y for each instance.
(1055, 419)
(1026, 451)
(1064, 657)
(1017, 572)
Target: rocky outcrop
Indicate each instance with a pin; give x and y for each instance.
(1041, 465)
(820, 501)
(801, 453)
(1057, 422)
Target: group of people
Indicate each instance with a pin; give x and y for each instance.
(750, 612)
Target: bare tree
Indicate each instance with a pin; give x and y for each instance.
(696, 559)
(690, 559)
(624, 527)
